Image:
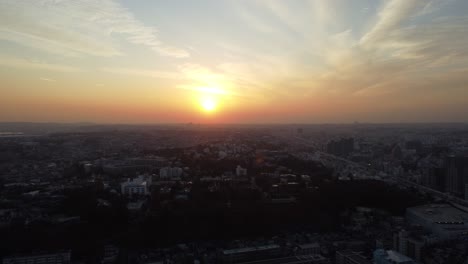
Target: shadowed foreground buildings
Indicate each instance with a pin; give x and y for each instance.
(231, 195)
(428, 225)
(57, 258)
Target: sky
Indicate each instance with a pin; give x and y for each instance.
(233, 61)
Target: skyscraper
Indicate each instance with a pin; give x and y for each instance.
(457, 174)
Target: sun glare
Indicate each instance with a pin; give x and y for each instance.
(208, 104)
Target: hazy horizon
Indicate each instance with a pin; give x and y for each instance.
(234, 62)
(229, 124)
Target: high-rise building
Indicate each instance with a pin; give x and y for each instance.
(466, 191)
(435, 178)
(406, 244)
(457, 174)
(342, 147)
(415, 145)
(397, 153)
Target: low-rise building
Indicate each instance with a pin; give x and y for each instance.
(137, 186)
(351, 257)
(391, 257)
(251, 253)
(53, 258)
(170, 172)
(308, 249)
(241, 171)
(444, 220)
(304, 259)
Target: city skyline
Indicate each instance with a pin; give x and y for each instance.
(233, 61)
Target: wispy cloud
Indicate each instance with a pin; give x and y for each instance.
(396, 57)
(391, 17)
(142, 72)
(74, 27)
(285, 14)
(15, 62)
(409, 51)
(47, 79)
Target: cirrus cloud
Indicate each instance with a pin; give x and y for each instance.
(76, 27)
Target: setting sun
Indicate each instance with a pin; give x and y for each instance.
(208, 104)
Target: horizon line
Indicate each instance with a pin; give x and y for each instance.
(233, 123)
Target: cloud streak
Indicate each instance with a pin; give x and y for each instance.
(47, 79)
(73, 28)
(22, 63)
(394, 13)
(142, 72)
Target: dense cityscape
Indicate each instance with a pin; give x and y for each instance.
(234, 132)
(351, 193)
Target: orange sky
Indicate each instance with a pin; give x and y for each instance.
(258, 61)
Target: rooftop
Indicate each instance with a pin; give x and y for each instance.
(140, 180)
(440, 213)
(310, 245)
(292, 260)
(397, 257)
(393, 256)
(249, 249)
